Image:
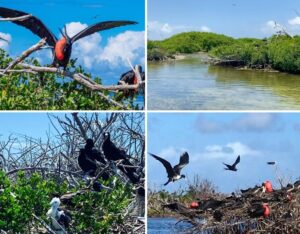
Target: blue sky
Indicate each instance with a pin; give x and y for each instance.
(31, 124)
(104, 54)
(237, 18)
(213, 138)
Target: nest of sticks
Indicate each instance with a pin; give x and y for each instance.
(232, 214)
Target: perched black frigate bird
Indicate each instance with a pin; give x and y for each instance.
(62, 48)
(173, 172)
(233, 166)
(259, 210)
(88, 157)
(131, 78)
(113, 153)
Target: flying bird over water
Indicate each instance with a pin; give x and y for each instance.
(62, 48)
(233, 166)
(174, 172)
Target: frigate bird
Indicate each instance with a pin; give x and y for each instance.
(59, 218)
(174, 172)
(131, 78)
(87, 159)
(259, 210)
(233, 166)
(62, 48)
(113, 153)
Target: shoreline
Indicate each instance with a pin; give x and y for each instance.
(207, 59)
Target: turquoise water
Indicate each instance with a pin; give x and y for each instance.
(189, 84)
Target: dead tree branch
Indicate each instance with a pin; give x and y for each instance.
(25, 54)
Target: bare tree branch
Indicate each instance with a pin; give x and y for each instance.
(25, 54)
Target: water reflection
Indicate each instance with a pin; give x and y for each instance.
(189, 84)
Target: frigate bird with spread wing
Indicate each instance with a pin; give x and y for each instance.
(233, 166)
(62, 48)
(174, 172)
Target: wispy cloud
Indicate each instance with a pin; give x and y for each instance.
(292, 26)
(294, 21)
(227, 151)
(171, 152)
(253, 122)
(5, 44)
(88, 50)
(158, 30)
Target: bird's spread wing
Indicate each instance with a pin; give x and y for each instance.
(184, 160)
(99, 27)
(166, 164)
(33, 24)
(237, 161)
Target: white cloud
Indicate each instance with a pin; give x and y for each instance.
(5, 44)
(158, 30)
(129, 45)
(295, 21)
(91, 54)
(205, 29)
(291, 27)
(269, 27)
(86, 49)
(257, 122)
(171, 153)
(228, 151)
(252, 122)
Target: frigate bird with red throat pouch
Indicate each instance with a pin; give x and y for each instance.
(62, 48)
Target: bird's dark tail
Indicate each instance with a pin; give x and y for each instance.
(227, 166)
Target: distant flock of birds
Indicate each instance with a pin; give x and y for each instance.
(87, 161)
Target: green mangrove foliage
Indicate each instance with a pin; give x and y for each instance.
(279, 52)
(92, 212)
(48, 91)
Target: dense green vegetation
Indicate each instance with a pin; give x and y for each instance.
(48, 91)
(279, 52)
(92, 212)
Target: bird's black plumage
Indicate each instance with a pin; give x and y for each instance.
(34, 24)
(173, 172)
(65, 218)
(233, 166)
(62, 48)
(131, 78)
(113, 153)
(88, 157)
(209, 204)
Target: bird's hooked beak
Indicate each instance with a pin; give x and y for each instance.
(106, 135)
(55, 202)
(65, 35)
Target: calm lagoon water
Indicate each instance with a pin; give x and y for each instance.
(189, 84)
(165, 225)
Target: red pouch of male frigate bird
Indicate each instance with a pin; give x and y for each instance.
(268, 187)
(194, 205)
